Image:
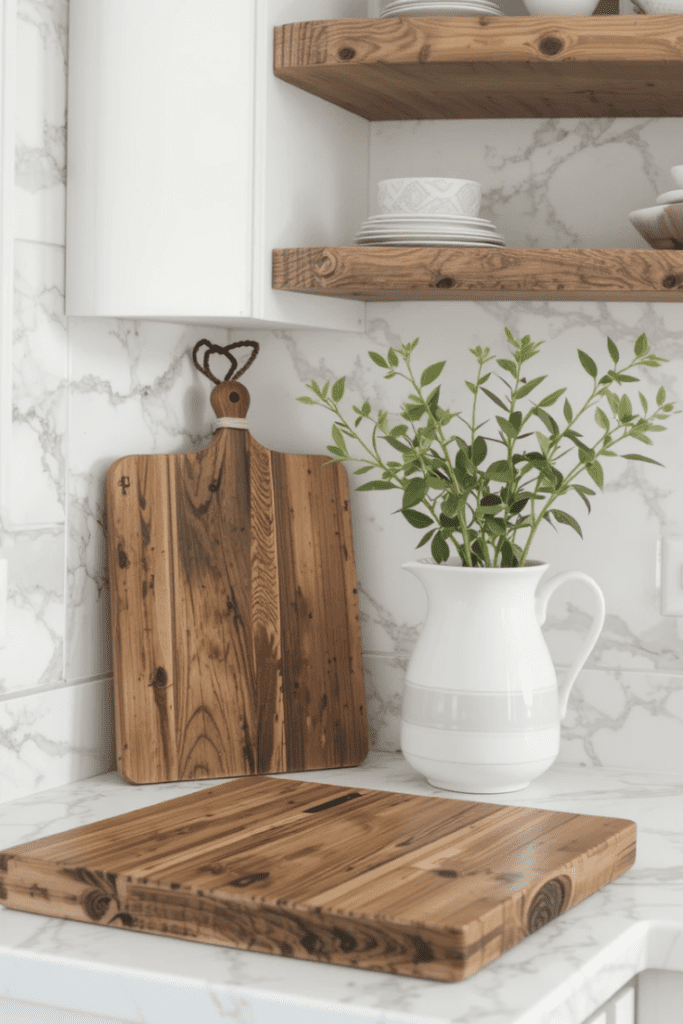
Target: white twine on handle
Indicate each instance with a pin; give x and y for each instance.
(230, 421)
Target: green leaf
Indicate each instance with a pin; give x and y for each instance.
(508, 428)
(517, 506)
(495, 398)
(507, 554)
(325, 389)
(439, 549)
(413, 412)
(587, 363)
(543, 442)
(507, 364)
(479, 450)
(454, 504)
(594, 470)
(661, 396)
(414, 492)
(642, 458)
(643, 401)
(490, 500)
(496, 527)
(380, 360)
(568, 414)
(431, 373)
(417, 519)
(338, 389)
(625, 378)
(397, 445)
(641, 346)
(363, 469)
(566, 520)
(392, 357)
(499, 471)
(625, 409)
(528, 388)
(613, 402)
(549, 400)
(426, 538)
(641, 437)
(601, 419)
(613, 351)
(306, 400)
(338, 438)
(378, 485)
(471, 386)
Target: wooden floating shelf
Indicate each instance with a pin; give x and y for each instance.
(400, 273)
(394, 69)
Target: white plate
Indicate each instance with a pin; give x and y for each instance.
(471, 236)
(439, 242)
(443, 9)
(468, 7)
(428, 218)
(670, 197)
(405, 232)
(466, 11)
(400, 5)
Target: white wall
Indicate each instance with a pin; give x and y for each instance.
(87, 391)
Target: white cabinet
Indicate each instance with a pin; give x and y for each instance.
(188, 162)
(620, 1009)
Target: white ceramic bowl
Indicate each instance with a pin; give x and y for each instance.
(660, 226)
(456, 197)
(677, 175)
(554, 8)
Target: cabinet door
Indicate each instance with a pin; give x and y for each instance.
(620, 1009)
(160, 160)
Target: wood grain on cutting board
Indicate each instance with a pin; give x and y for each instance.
(235, 622)
(422, 886)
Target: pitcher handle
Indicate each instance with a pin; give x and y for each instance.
(543, 595)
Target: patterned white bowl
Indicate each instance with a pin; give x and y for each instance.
(554, 8)
(456, 197)
(660, 226)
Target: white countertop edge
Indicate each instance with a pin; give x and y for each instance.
(149, 996)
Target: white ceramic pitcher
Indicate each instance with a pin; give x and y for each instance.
(482, 707)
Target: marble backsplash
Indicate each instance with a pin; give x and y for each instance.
(86, 391)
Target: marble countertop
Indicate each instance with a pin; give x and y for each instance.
(558, 975)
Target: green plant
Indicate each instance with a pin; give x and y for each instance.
(485, 511)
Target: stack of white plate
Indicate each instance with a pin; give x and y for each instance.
(427, 229)
(438, 8)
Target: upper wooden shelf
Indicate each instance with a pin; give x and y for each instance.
(399, 273)
(397, 69)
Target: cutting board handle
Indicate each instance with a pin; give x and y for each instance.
(230, 399)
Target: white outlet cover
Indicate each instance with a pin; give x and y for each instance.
(672, 575)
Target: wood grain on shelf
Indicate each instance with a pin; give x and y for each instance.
(422, 68)
(386, 273)
(234, 605)
(422, 886)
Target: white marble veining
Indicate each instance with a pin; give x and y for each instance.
(54, 736)
(38, 444)
(558, 975)
(40, 161)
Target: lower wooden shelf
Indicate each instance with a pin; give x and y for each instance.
(398, 273)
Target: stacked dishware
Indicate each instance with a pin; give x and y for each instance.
(662, 225)
(439, 8)
(428, 211)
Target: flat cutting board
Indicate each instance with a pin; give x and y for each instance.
(423, 886)
(234, 610)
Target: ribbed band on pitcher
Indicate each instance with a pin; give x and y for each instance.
(480, 712)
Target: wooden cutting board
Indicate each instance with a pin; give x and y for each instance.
(424, 886)
(234, 610)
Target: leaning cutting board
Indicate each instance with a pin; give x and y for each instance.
(424, 886)
(234, 610)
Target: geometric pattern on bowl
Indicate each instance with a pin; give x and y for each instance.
(450, 196)
(660, 226)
